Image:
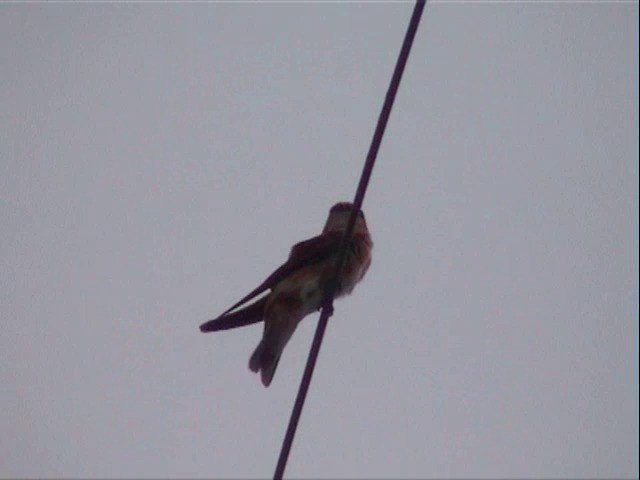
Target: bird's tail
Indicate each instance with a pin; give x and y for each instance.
(250, 314)
(265, 360)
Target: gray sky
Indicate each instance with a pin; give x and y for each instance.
(157, 161)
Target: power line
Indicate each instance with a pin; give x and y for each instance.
(327, 307)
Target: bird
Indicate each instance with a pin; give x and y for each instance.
(298, 286)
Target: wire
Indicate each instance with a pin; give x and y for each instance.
(327, 307)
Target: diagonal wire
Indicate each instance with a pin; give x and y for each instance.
(327, 307)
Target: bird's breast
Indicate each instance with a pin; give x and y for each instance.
(356, 264)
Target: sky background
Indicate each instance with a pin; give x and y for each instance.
(157, 161)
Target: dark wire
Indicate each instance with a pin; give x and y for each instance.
(327, 307)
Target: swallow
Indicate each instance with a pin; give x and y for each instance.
(297, 287)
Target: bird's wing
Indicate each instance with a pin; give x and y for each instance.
(245, 316)
(302, 254)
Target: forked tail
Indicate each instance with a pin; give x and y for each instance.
(265, 360)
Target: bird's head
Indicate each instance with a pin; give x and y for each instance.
(339, 217)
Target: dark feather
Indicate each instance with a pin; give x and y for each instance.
(302, 254)
(248, 315)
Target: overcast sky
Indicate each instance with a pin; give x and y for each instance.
(157, 161)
